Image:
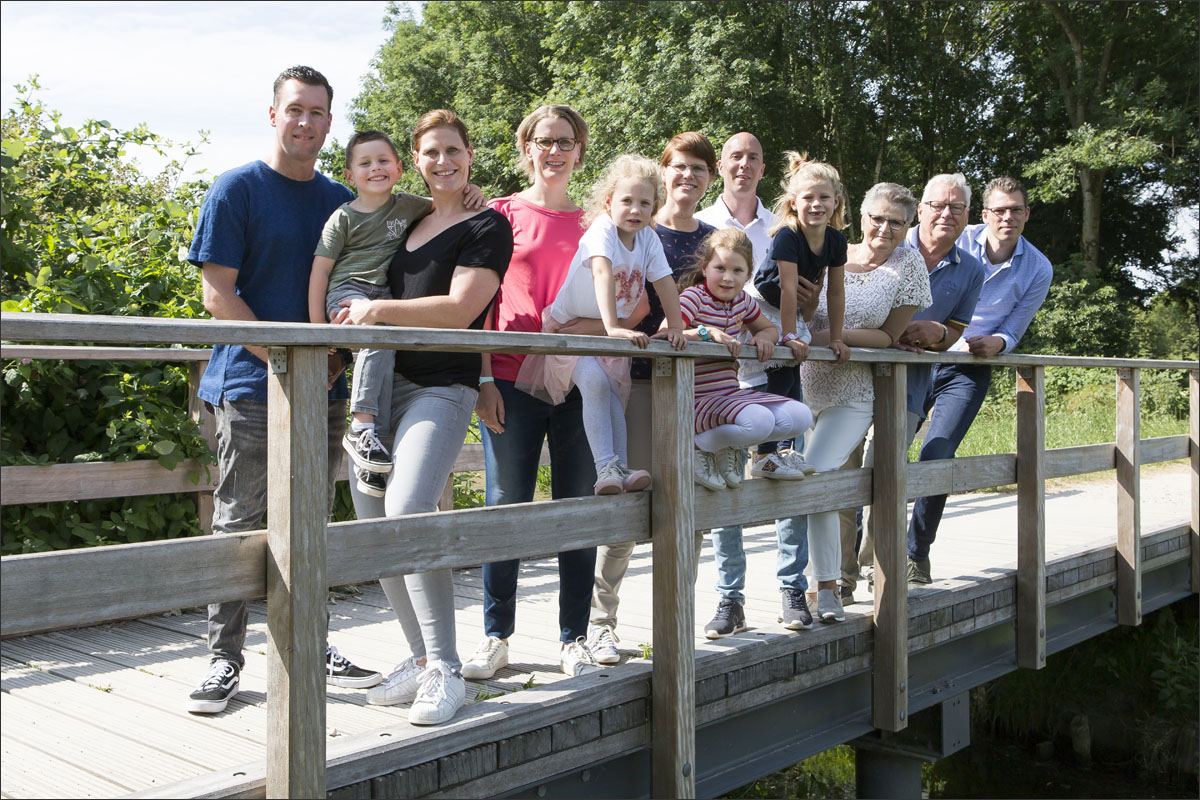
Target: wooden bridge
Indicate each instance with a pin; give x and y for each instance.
(97, 709)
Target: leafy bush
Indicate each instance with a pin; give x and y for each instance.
(84, 231)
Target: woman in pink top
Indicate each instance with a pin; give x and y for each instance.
(547, 227)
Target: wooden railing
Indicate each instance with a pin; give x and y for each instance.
(298, 556)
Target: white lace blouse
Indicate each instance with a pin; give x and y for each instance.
(902, 280)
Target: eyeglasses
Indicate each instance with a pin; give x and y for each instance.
(879, 222)
(565, 144)
(955, 208)
(1016, 211)
(695, 169)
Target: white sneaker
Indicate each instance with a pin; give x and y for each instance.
(704, 471)
(491, 655)
(602, 641)
(729, 466)
(400, 686)
(577, 659)
(773, 466)
(792, 459)
(440, 695)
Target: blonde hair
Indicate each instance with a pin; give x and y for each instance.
(525, 131)
(802, 172)
(624, 167)
(732, 239)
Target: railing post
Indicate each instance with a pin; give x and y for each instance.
(1129, 511)
(673, 539)
(1194, 450)
(889, 504)
(1031, 517)
(208, 430)
(297, 413)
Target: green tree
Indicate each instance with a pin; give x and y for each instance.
(83, 231)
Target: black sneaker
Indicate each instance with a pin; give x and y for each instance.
(216, 690)
(847, 594)
(343, 673)
(795, 615)
(370, 483)
(918, 571)
(730, 619)
(367, 451)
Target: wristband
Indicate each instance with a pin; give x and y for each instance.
(945, 333)
(702, 332)
(788, 337)
(486, 379)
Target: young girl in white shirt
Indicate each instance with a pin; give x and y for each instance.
(606, 279)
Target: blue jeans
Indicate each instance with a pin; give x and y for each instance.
(955, 393)
(511, 459)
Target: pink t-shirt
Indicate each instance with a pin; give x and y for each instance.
(544, 242)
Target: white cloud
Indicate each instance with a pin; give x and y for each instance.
(185, 67)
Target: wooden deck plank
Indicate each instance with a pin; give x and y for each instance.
(29, 772)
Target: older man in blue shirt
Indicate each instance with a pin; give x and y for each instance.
(955, 279)
(1016, 280)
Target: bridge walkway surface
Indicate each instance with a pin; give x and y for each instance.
(99, 711)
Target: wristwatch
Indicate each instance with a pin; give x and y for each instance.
(702, 332)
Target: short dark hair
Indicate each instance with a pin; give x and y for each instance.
(304, 75)
(362, 137)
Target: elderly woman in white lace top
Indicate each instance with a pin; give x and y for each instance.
(885, 285)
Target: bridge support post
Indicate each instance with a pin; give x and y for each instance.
(889, 506)
(888, 765)
(883, 775)
(1194, 450)
(297, 413)
(1129, 511)
(673, 539)
(1031, 517)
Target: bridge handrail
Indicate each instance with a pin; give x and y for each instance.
(259, 562)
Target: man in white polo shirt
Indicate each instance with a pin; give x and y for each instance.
(741, 167)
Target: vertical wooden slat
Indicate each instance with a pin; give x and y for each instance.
(208, 429)
(889, 488)
(673, 541)
(1031, 517)
(1194, 449)
(1129, 512)
(298, 410)
(446, 501)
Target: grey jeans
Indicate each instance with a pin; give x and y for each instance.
(427, 425)
(240, 499)
(373, 369)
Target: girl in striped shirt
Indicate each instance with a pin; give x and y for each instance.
(729, 418)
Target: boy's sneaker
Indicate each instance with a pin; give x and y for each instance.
(440, 695)
(773, 466)
(602, 641)
(792, 459)
(490, 656)
(633, 480)
(340, 672)
(576, 659)
(370, 483)
(704, 471)
(400, 686)
(794, 615)
(367, 451)
(729, 466)
(829, 606)
(918, 571)
(216, 690)
(609, 479)
(729, 619)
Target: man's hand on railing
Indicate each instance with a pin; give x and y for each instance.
(985, 346)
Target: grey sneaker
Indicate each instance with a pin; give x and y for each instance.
(794, 615)
(729, 466)
(792, 459)
(829, 606)
(576, 659)
(609, 479)
(729, 619)
(219, 686)
(918, 571)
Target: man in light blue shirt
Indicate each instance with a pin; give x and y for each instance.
(1016, 280)
(955, 279)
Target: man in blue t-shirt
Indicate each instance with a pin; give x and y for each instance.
(254, 244)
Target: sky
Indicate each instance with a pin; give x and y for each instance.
(186, 67)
